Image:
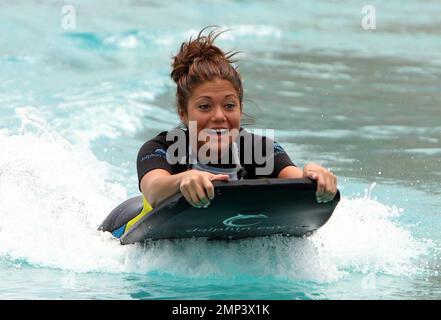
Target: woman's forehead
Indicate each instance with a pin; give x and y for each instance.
(214, 89)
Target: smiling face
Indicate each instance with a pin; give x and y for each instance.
(213, 105)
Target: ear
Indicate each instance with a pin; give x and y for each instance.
(183, 116)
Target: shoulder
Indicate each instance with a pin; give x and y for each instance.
(160, 138)
(259, 138)
(157, 146)
(169, 145)
(157, 141)
(165, 138)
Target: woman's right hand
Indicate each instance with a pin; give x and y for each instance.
(197, 186)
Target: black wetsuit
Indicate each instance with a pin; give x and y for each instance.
(153, 155)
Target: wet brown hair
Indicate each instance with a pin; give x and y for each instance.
(198, 61)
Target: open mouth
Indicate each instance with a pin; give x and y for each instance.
(218, 132)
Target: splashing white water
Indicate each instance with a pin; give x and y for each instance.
(53, 196)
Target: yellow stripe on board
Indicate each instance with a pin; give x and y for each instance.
(145, 210)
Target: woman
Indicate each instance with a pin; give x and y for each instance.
(210, 104)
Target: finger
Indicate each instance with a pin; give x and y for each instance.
(201, 194)
(188, 190)
(311, 175)
(325, 195)
(321, 183)
(331, 186)
(195, 201)
(334, 184)
(315, 176)
(209, 189)
(219, 177)
(197, 186)
(187, 197)
(319, 200)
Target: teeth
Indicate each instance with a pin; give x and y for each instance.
(217, 131)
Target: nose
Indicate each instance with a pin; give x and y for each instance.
(218, 115)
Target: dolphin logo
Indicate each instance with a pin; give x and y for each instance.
(230, 222)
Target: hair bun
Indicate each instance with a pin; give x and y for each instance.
(196, 51)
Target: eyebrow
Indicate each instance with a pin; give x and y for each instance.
(207, 97)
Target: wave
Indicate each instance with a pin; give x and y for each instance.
(55, 194)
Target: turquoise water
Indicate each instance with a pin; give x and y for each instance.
(76, 105)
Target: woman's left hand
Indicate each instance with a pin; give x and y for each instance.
(326, 181)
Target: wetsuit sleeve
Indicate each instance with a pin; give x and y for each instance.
(281, 160)
(275, 159)
(153, 155)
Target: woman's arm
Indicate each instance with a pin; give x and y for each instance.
(158, 184)
(326, 180)
(290, 172)
(196, 186)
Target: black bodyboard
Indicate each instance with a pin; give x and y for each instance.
(240, 209)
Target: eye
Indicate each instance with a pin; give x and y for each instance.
(230, 106)
(204, 106)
